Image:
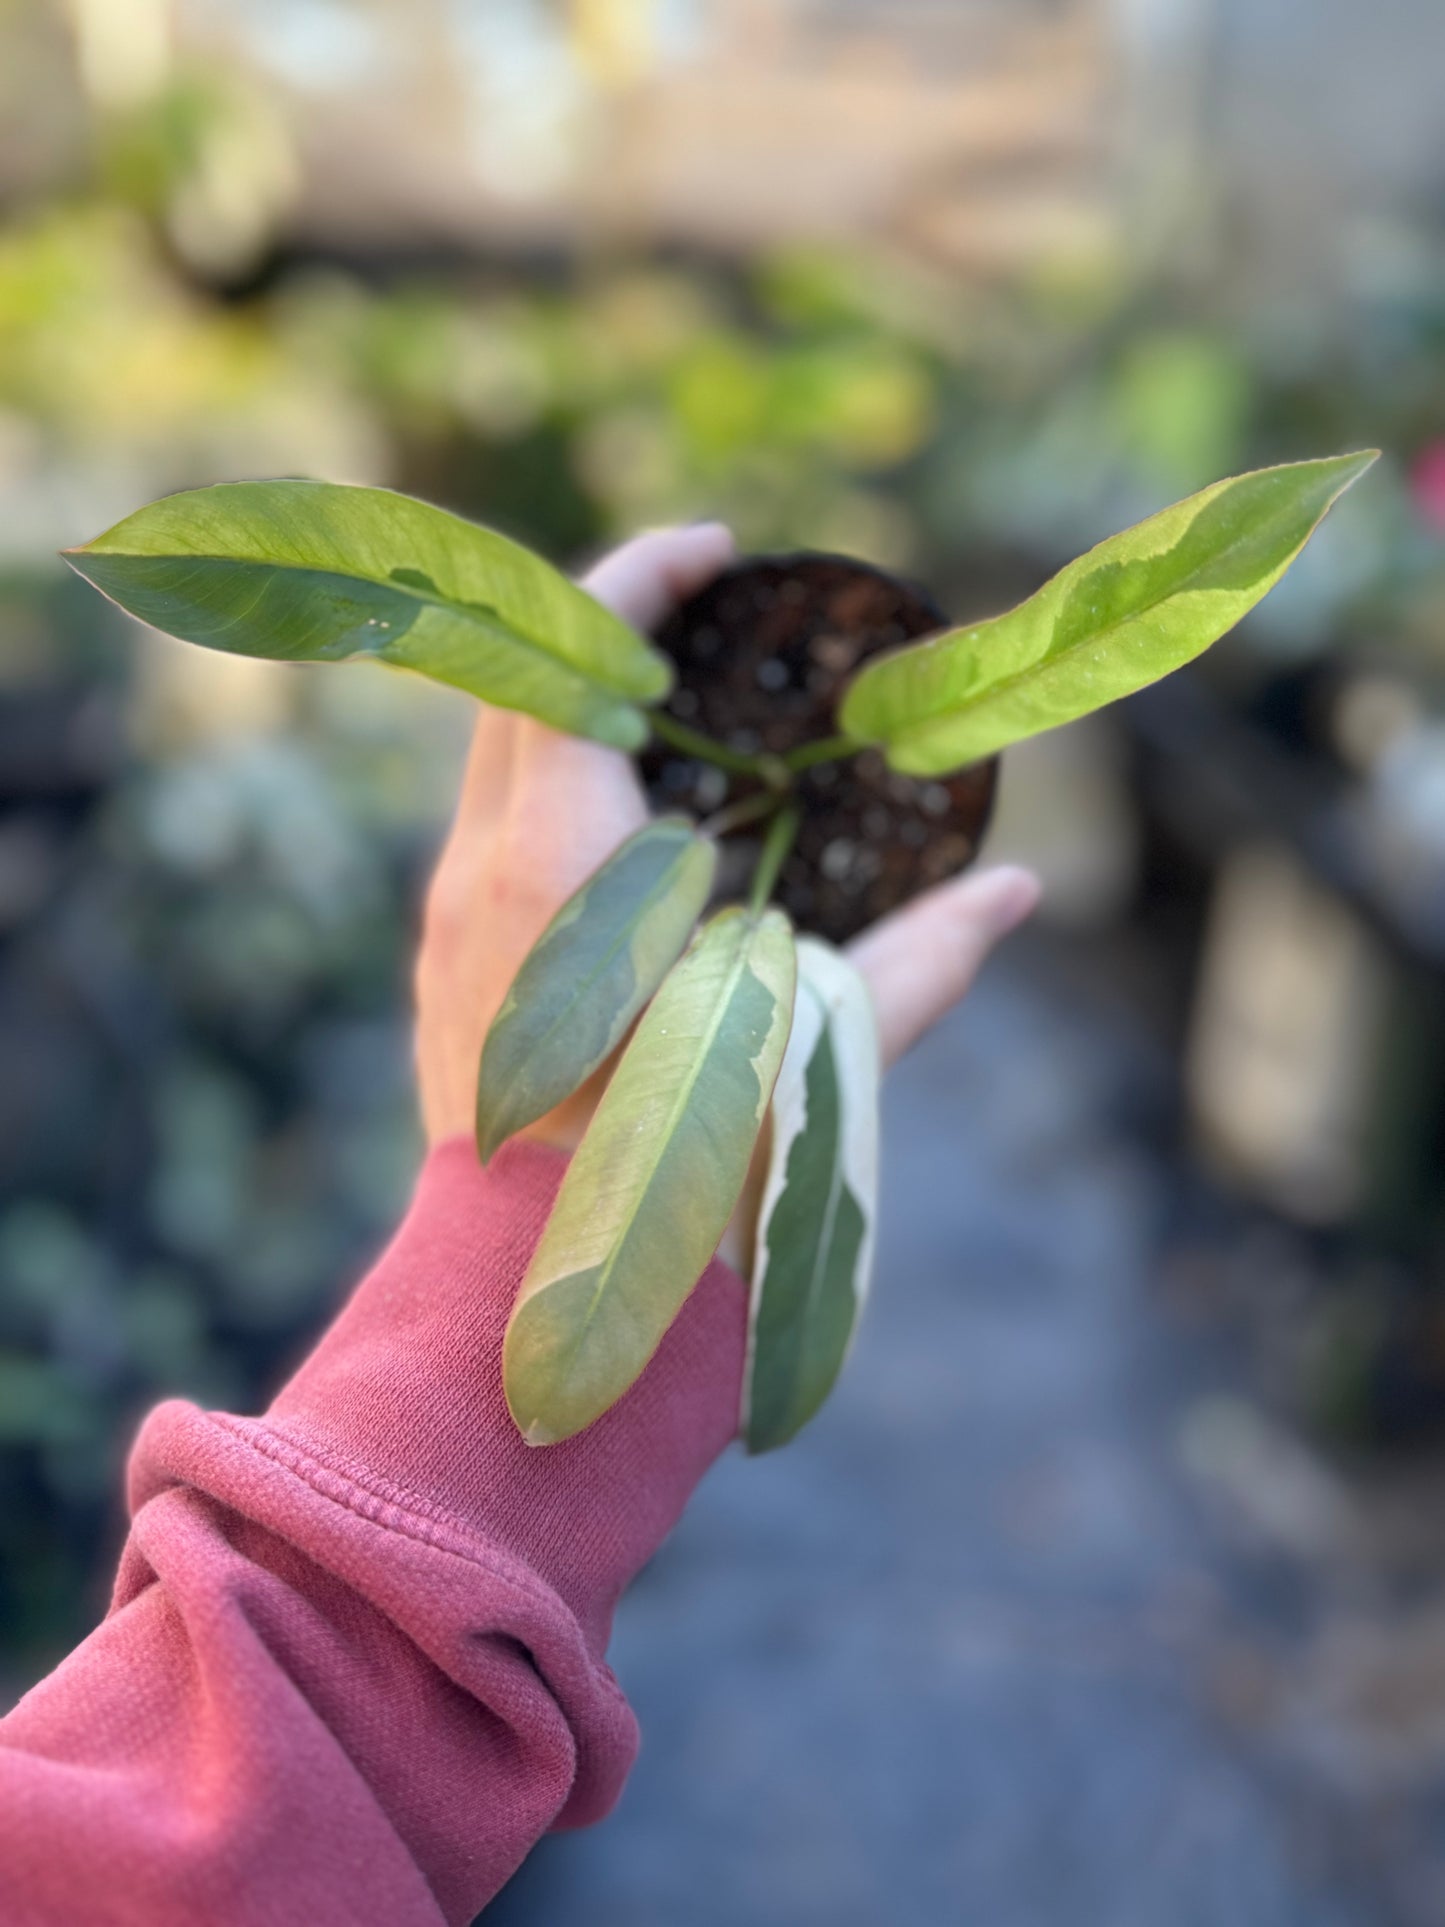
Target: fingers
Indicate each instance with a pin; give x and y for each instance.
(919, 962)
(641, 582)
(488, 772)
(644, 579)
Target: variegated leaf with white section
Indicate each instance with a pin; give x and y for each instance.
(820, 1202)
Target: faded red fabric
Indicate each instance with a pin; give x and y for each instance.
(354, 1663)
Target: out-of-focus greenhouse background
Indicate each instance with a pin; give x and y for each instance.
(1111, 1588)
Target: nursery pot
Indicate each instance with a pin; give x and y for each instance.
(763, 654)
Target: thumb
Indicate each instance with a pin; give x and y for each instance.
(648, 576)
(919, 961)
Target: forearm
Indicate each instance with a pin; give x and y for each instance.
(355, 1662)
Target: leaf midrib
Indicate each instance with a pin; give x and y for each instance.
(679, 1106)
(1006, 684)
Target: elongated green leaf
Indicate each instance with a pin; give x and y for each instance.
(589, 973)
(316, 572)
(655, 1180)
(819, 1207)
(1125, 614)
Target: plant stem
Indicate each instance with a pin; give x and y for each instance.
(776, 846)
(829, 750)
(747, 809)
(692, 742)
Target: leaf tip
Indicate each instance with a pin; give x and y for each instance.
(490, 1134)
(525, 1390)
(1357, 463)
(482, 1135)
(533, 1427)
(493, 1133)
(757, 1441)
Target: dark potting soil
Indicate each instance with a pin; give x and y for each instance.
(762, 656)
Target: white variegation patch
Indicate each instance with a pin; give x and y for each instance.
(833, 1008)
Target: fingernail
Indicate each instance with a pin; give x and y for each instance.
(1004, 897)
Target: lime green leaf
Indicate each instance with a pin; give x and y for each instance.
(819, 1207)
(316, 572)
(1125, 614)
(654, 1182)
(589, 973)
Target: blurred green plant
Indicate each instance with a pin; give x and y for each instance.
(205, 1124)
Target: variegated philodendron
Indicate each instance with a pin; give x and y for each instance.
(315, 572)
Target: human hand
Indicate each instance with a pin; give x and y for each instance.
(539, 812)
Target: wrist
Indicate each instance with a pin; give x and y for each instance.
(406, 1388)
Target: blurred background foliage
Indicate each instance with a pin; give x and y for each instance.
(239, 243)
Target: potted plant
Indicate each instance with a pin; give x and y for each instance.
(823, 744)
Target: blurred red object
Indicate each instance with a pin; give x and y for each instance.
(1427, 484)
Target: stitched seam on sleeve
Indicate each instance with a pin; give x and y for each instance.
(340, 1481)
(278, 1441)
(439, 1533)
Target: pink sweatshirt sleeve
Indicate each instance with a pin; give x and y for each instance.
(354, 1665)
